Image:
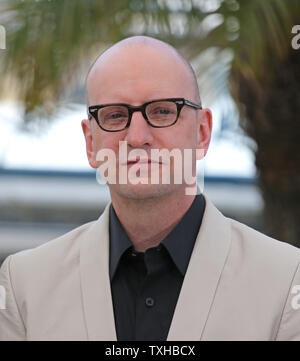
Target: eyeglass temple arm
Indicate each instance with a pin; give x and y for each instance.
(191, 104)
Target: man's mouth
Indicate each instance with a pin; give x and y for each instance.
(142, 162)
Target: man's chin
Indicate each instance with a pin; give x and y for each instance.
(143, 191)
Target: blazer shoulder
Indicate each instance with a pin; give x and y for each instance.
(261, 246)
(52, 254)
(248, 244)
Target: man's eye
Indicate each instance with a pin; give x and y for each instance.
(116, 116)
(164, 111)
(161, 111)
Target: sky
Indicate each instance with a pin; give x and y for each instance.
(61, 146)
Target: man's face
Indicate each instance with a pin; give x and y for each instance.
(135, 76)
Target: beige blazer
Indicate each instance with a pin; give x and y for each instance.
(239, 285)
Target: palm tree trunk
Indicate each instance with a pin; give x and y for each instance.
(272, 120)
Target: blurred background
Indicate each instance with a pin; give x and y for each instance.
(246, 54)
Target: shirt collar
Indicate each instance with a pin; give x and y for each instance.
(179, 242)
(118, 241)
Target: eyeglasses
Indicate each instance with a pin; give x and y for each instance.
(160, 113)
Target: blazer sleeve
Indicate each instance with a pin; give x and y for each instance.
(289, 328)
(11, 324)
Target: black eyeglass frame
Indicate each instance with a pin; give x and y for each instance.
(180, 103)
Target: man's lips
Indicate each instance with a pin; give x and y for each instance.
(142, 161)
(139, 160)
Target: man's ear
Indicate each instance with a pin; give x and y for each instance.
(87, 131)
(204, 131)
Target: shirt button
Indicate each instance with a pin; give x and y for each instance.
(149, 301)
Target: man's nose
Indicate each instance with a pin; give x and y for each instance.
(139, 132)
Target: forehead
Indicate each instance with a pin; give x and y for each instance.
(136, 74)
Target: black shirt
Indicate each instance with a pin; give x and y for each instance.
(145, 285)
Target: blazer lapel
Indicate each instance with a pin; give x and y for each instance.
(95, 283)
(201, 280)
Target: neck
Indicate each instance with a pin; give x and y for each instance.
(148, 221)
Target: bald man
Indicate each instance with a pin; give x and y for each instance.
(161, 262)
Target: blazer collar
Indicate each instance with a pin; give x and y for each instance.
(198, 289)
(95, 283)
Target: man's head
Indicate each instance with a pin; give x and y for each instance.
(134, 71)
(136, 44)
